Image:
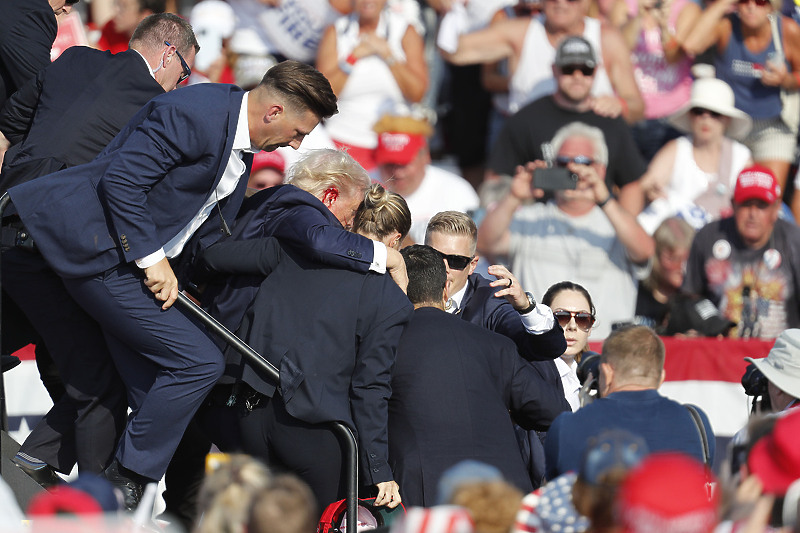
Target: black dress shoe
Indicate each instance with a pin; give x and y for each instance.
(43, 475)
(122, 478)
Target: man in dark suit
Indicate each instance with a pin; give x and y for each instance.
(109, 228)
(27, 32)
(63, 118)
(327, 322)
(453, 386)
(501, 305)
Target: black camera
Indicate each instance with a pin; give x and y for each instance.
(590, 363)
(755, 384)
(554, 179)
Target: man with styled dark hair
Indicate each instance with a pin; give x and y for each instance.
(110, 227)
(631, 370)
(62, 118)
(453, 385)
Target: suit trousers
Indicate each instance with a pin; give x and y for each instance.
(311, 451)
(84, 425)
(167, 361)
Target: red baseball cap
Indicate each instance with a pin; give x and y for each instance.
(775, 458)
(268, 160)
(667, 492)
(398, 148)
(756, 183)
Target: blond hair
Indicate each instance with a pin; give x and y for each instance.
(453, 223)
(322, 169)
(382, 213)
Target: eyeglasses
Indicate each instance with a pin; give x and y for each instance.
(563, 160)
(569, 70)
(759, 3)
(186, 70)
(582, 319)
(457, 262)
(700, 111)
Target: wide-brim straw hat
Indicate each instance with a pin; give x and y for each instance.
(715, 95)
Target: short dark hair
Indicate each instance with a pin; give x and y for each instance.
(427, 276)
(303, 86)
(155, 29)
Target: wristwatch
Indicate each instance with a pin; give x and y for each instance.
(531, 304)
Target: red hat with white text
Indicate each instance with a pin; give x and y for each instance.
(756, 183)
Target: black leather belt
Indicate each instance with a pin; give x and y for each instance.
(15, 234)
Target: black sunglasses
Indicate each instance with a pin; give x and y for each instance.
(456, 262)
(700, 111)
(71, 2)
(582, 319)
(563, 161)
(186, 70)
(569, 70)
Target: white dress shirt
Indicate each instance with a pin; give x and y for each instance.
(570, 381)
(227, 184)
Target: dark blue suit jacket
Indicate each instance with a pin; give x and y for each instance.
(71, 111)
(27, 31)
(480, 307)
(453, 386)
(331, 332)
(142, 189)
(304, 226)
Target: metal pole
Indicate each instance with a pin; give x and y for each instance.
(342, 432)
(4, 201)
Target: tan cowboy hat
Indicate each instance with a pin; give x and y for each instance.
(717, 96)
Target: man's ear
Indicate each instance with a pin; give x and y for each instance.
(663, 377)
(474, 263)
(273, 112)
(330, 196)
(607, 374)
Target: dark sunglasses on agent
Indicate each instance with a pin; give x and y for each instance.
(186, 70)
(582, 319)
(457, 262)
(569, 70)
(759, 3)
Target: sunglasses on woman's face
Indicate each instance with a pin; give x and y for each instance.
(700, 111)
(582, 319)
(759, 3)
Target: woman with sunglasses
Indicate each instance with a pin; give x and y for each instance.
(573, 308)
(757, 52)
(694, 175)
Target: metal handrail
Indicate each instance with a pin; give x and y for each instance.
(342, 431)
(4, 201)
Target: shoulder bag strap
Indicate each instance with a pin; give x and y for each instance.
(698, 422)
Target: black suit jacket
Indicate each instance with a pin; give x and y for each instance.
(332, 334)
(453, 386)
(72, 109)
(27, 31)
(480, 307)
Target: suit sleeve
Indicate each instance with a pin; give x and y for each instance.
(258, 256)
(371, 381)
(170, 136)
(534, 403)
(307, 232)
(26, 50)
(16, 116)
(506, 321)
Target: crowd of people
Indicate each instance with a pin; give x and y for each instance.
(620, 165)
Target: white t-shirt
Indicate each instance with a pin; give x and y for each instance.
(440, 190)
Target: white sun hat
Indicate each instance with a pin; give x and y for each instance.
(715, 95)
